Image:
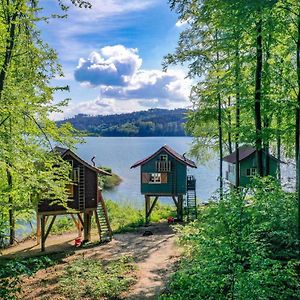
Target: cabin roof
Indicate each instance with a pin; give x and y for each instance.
(171, 152)
(64, 151)
(244, 152)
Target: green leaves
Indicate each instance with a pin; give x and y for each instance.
(244, 247)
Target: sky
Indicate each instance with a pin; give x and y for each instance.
(111, 57)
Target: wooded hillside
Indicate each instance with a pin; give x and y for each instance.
(153, 122)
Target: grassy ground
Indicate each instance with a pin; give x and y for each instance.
(122, 218)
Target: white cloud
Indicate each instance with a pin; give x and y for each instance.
(118, 73)
(110, 66)
(98, 107)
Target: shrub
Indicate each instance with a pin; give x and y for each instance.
(241, 248)
(93, 279)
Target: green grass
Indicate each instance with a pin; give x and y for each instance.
(126, 218)
(123, 218)
(93, 279)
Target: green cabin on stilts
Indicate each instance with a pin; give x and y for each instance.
(164, 174)
(248, 165)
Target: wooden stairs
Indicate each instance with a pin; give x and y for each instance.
(191, 200)
(102, 220)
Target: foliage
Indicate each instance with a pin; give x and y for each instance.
(241, 248)
(94, 279)
(109, 182)
(126, 217)
(12, 270)
(62, 225)
(153, 122)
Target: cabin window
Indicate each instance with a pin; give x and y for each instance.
(251, 172)
(155, 178)
(75, 175)
(231, 169)
(164, 157)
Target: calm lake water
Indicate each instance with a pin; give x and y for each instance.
(120, 153)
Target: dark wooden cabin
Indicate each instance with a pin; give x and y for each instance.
(248, 165)
(84, 198)
(164, 173)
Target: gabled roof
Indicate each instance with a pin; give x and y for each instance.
(244, 152)
(171, 152)
(64, 151)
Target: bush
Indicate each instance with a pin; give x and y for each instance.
(93, 279)
(241, 248)
(11, 271)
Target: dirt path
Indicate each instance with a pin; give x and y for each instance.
(155, 256)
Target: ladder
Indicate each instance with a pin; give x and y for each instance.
(191, 200)
(81, 189)
(103, 224)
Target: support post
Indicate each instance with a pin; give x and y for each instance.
(43, 224)
(147, 207)
(38, 228)
(87, 226)
(180, 208)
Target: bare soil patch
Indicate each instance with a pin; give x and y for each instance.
(154, 256)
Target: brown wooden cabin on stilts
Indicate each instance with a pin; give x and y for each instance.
(164, 174)
(85, 200)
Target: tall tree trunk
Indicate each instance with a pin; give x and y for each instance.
(278, 138)
(297, 144)
(220, 126)
(220, 143)
(229, 127)
(237, 116)
(10, 43)
(258, 87)
(12, 224)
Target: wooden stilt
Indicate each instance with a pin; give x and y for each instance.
(43, 224)
(151, 207)
(87, 227)
(180, 208)
(175, 201)
(38, 228)
(147, 207)
(49, 227)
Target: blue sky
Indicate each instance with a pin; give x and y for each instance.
(112, 54)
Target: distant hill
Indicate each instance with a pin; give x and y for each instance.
(153, 122)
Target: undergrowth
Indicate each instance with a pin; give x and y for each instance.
(241, 248)
(93, 279)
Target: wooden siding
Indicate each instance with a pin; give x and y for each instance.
(248, 163)
(172, 183)
(91, 186)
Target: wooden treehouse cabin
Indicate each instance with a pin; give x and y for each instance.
(85, 200)
(248, 165)
(164, 174)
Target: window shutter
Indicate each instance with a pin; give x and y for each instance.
(145, 177)
(164, 177)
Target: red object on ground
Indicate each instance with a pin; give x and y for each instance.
(78, 242)
(170, 220)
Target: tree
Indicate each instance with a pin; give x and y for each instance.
(28, 170)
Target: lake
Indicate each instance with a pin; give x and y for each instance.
(119, 153)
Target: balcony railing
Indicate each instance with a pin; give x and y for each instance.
(163, 166)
